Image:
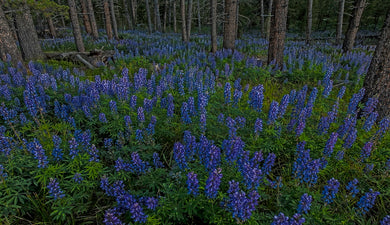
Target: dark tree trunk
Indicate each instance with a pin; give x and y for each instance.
(76, 27)
(61, 17)
(52, 28)
(27, 34)
(189, 19)
(7, 42)
(134, 12)
(113, 19)
(309, 20)
(86, 20)
(377, 80)
(278, 33)
(183, 20)
(108, 19)
(353, 26)
(149, 17)
(214, 44)
(174, 17)
(165, 16)
(269, 16)
(199, 18)
(262, 18)
(229, 33)
(157, 15)
(127, 14)
(92, 19)
(339, 30)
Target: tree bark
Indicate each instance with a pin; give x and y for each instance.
(149, 17)
(165, 16)
(108, 19)
(189, 19)
(113, 19)
(353, 26)
(278, 33)
(229, 34)
(199, 18)
(62, 17)
(183, 20)
(76, 26)
(157, 15)
(377, 80)
(134, 12)
(269, 16)
(174, 17)
(86, 20)
(127, 14)
(262, 18)
(91, 14)
(7, 42)
(52, 28)
(309, 20)
(214, 44)
(27, 34)
(339, 30)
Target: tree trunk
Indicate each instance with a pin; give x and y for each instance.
(27, 34)
(7, 42)
(183, 20)
(262, 18)
(214, 44)
(157, 15)
(108, 19)
(229, 33)
(134, 12)
(113, 19)
(92, 19)
(309, 20)
(377, 80)
(353, 26)
(165, 16)
(278, 33)
(199, 18)
(52, 28)
(174, 17)
(149, 17)
(86, 20)
(269, 16)
(339, 30)
(127, 15)
(76, 27)
(189, 19)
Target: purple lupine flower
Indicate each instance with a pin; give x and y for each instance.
(237, 94)
(102, 118)
(386, 220)
(133, 101)
(140, 115)
(138, 166)
(185, 117)
(151, 203)
(283, 105)
(137, 213)
(341, 92)
(368, 168)
(281, 219)
(301, 122)
(3, 175)
(128, 121)
(353, 103)
(39, 153)
(340, 155)
(202, 121)
(54, 189)
(273, 112)
(367, 201)
(268, 163)
(213, 182)
(305, 203)
(139, 135)
(221, 118)
(310, 101)
(191, 106)
(78, 178)
(352, 188)
(370, 121)
(113, 107)
(256, 97)
(192, 183)
(227, 93)
(384, 125)
(93, 152)
(107, 143)
(330, 191)
(57, 152)
(352, 134)
(330, 144)
(156, 161)
(258, 126)
(328, 89)
(366, 151)
(252, 175)
(179, 155)
(370, 106)
(73, 147)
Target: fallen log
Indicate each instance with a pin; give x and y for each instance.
(90, 59)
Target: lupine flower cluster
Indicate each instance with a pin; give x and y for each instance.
(281, 219)
(305, 204)
(352, 188)
(193, 183)
(367, 201)
(305, 168)
(3, 174)
(330, 191)
(137, 165)
(54, 189)
(37, 150)
(213, 183)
